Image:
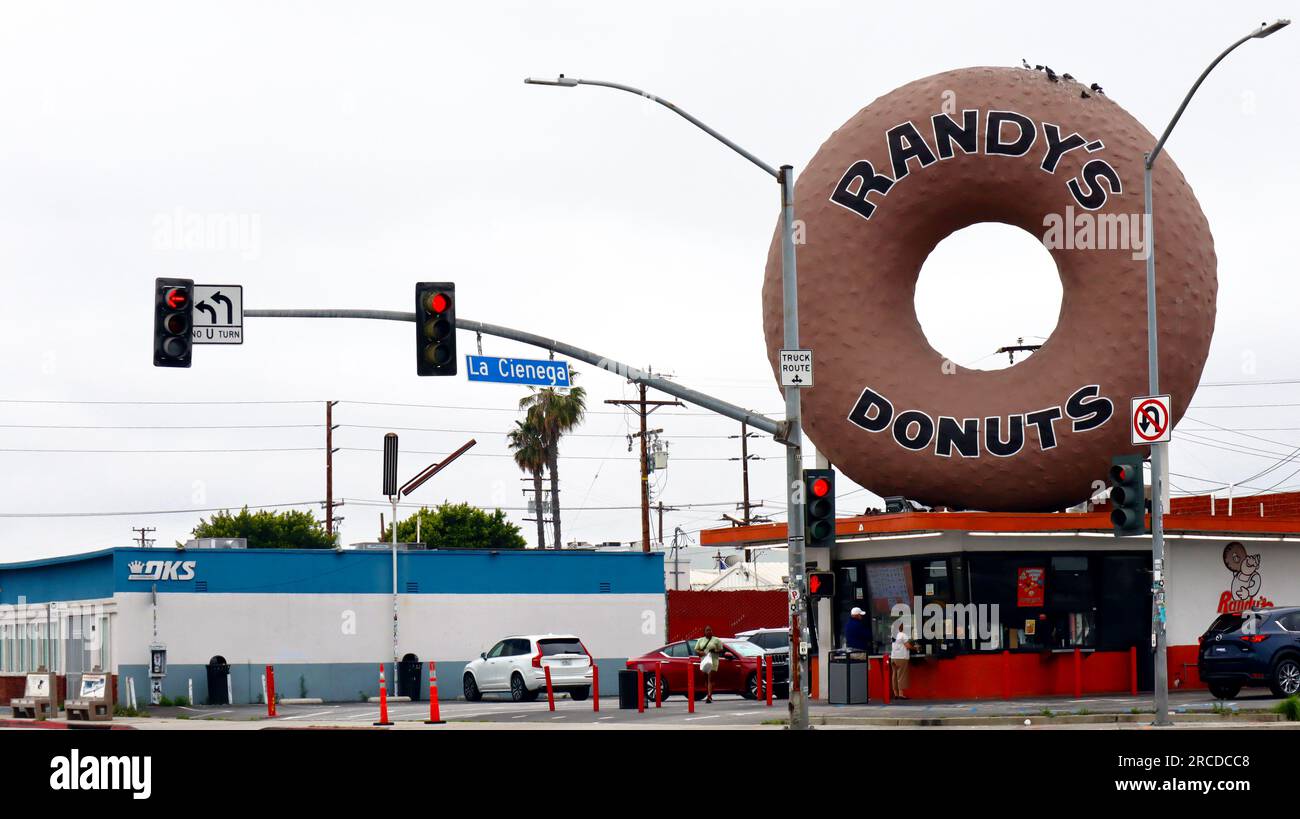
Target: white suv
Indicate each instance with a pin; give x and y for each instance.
(518, 665)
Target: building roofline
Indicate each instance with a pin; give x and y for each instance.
(1005, 523)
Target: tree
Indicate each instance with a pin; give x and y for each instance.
(266, 529)
(526, 443)
(555, 412)
(459, 526)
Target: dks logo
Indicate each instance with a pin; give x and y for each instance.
(161, 570)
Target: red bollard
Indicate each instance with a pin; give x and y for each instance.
(383, 698)
(889, 682)
(659, 685)
(595, 686)
(435, 716)
(550, 692)
(270, 690)
(1133, 670)
(1078, 672)
(814, 679)
(640, 689)
(758, 678)
(690, 688)
(767, 685)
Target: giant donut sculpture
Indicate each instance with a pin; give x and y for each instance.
(934, 156)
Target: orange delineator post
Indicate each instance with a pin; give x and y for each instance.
(550, 692)
(435, 717)
(1078, 672)
(640, 689)
(1133, 670)
(595, 686)
(814, 679)
(270, 690)
(659, 685)
(690, 688)
(383, 698)
(767, 684)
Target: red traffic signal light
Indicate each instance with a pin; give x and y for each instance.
(172, 345)
(820, 487)
(435, 328)
(439, 302)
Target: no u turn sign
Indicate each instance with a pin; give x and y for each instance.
(1151, 424)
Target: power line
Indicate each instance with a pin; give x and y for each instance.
(152, 511)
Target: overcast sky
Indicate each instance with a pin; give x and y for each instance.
(364, 147)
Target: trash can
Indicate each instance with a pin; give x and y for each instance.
(627, 689)
(408, 677)
(848, 678)
(218, 679)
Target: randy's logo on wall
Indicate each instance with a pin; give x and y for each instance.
(1244, 588)
(161, 570)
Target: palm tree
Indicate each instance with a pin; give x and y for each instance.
(530, 456)
(555, 412)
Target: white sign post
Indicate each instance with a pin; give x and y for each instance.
(796, 368)
(217, 314)
(1150, 420)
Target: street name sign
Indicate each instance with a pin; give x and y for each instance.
(217, 314)
(534, 372)
(796, 368)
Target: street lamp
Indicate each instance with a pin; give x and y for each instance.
(1158, 453)
(792, 435)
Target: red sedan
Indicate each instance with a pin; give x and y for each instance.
(737, 671)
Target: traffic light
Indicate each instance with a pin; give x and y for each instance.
(819, 507)
(435, 328)
(171, 322)
(1128, 500)
(821, 584)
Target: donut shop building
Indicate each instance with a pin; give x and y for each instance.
(1004, 605)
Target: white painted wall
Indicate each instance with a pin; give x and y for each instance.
(1197, 578)
(310, 628)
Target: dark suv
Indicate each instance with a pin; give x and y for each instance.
(1252, 648)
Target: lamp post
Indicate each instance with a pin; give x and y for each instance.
(792, 434)
(1158, 451)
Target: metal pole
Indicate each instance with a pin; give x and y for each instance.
(793, 459)
(1157, 459)
(329, 468)
(393, 499)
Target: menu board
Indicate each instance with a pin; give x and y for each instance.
(889, 584)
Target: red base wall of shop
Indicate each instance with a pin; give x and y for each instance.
(1019, 675)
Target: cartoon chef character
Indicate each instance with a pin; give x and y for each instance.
(1246, 579)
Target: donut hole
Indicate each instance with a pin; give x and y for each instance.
(985, 287)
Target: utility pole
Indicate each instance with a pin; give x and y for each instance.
(643, 408)
(144, 530)
(745, 505)
(1019, 347)
(663, 509)
(329, 467)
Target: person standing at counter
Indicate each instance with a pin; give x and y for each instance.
(899, 656)
(857, 634)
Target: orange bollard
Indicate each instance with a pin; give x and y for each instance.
(595, 686)
(659, 685)
(690, 688)
(550, 692)
(767, 685)
(814, 681)
(270, 690)
(383, 698)
(435, 716)
(640, 689)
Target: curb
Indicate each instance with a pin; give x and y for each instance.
(1040, 721)
(63, 724)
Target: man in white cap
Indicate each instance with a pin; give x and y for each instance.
(857, 631)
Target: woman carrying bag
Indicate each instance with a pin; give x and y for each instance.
(710, 650)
